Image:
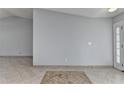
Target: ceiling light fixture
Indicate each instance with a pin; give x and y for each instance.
(112, 10)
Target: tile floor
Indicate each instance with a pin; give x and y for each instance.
(19, 70)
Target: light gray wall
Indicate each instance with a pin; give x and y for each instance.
(16, 37)
(118, 18)
(61, 39)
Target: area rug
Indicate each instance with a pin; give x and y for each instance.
(65, 77)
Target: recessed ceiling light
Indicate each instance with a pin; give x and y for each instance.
(112, 10)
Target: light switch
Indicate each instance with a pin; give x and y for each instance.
(90, 43)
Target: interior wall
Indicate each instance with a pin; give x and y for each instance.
(62, 39)
(16, 36)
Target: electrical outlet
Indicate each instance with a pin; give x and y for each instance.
(66, 60)
(19, 52)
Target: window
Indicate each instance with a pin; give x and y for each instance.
(117, 44)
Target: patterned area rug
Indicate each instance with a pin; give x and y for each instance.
(65, 77)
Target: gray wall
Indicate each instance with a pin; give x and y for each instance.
(118, 18)
(61, 39)
(16, 35)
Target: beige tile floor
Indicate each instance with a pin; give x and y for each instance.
(19, 70)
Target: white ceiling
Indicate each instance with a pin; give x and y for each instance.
(87, 12)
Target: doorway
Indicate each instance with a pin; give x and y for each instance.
(118, 35)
